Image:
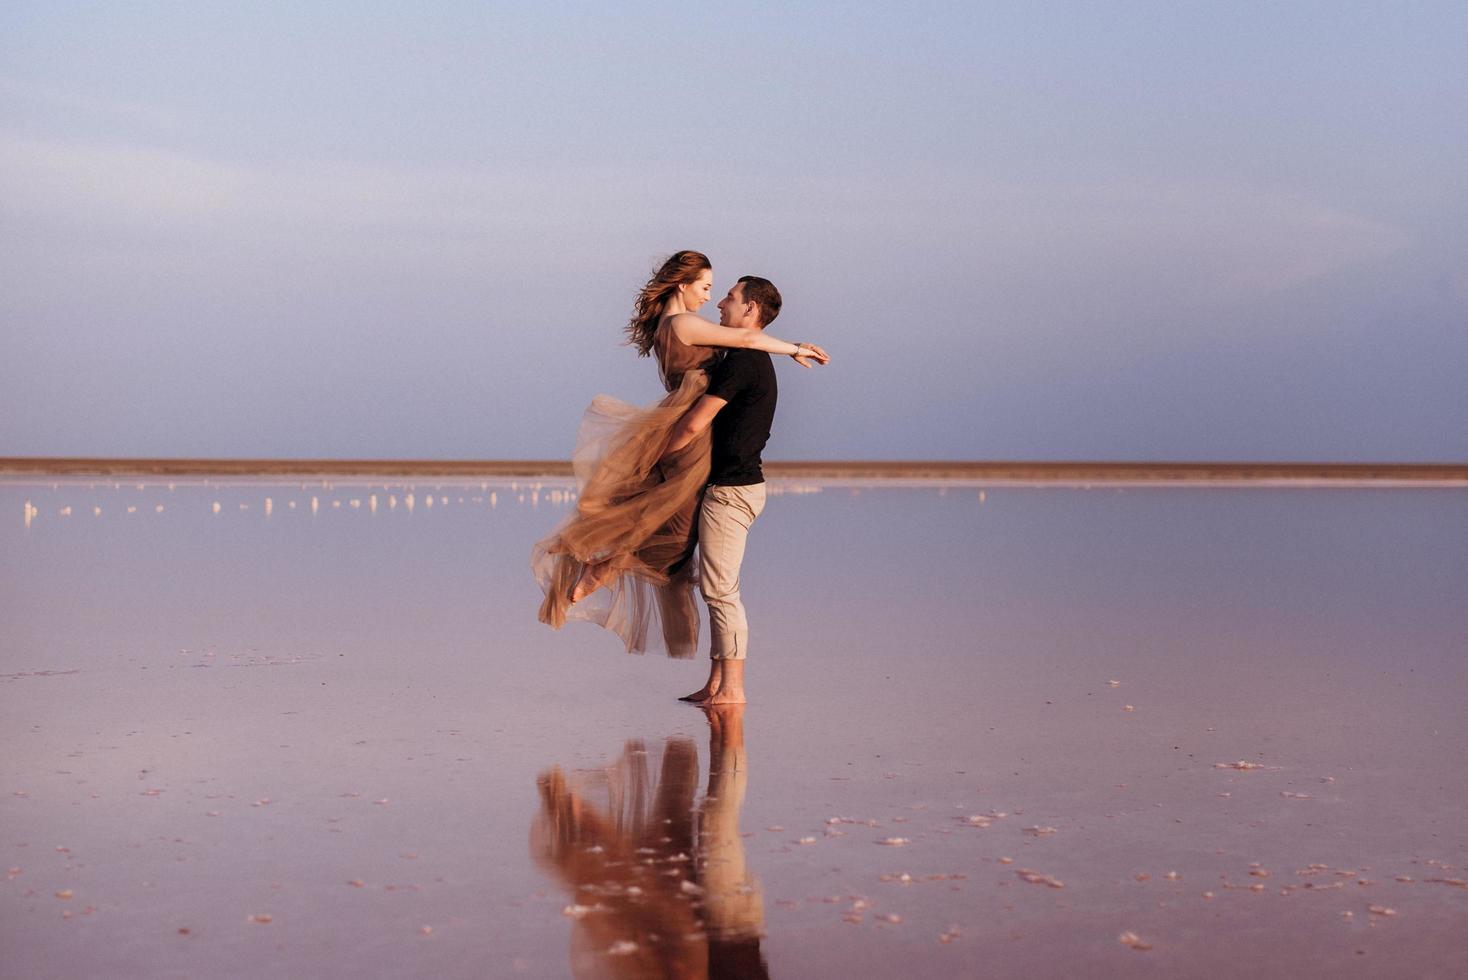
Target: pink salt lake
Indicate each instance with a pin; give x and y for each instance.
(1032, 731)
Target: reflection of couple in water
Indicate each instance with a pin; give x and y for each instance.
(659, 882)
(654, 482)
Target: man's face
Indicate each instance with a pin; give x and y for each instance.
(735, 310)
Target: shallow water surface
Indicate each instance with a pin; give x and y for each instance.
(258, 729)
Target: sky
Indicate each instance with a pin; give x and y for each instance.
(1031, 230)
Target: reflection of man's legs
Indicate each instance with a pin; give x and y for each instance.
(733, 908)
(723, 528)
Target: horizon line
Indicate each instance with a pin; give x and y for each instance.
(1129, 471)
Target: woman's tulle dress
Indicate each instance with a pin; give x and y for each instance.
(637, 510)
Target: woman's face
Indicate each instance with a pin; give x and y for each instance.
(696, 293)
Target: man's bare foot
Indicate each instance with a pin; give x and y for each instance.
(710, 687)
(730, 688)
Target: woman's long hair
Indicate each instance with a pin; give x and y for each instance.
(680, 269)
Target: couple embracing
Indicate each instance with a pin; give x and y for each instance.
(655, 482)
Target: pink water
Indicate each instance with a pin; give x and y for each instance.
(350, 723)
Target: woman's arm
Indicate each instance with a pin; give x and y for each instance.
(695, 331)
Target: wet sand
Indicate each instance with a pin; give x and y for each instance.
(1004, 730)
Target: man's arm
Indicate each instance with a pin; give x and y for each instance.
(694, 421)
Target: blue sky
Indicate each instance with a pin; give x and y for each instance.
(1025, 230)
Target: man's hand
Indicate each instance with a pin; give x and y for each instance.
(811, 355)
(694, 421)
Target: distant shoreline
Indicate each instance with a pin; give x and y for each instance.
(938, 470)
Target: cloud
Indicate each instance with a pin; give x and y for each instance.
(1239, 238)
(121, 184)
(54, 101)
(1022, 254)
(1232, 238)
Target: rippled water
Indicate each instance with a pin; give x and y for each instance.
(992, 731)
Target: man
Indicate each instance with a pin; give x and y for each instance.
(740, 405)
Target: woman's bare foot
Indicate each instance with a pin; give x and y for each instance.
(590, 580)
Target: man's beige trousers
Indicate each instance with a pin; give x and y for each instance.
(723, 527)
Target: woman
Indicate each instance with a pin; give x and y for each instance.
(622, 560)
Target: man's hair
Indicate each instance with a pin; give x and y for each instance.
(762, 292)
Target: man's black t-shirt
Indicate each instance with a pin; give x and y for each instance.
(746, 380)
